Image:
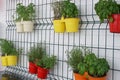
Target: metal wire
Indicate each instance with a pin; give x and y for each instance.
(90, 35)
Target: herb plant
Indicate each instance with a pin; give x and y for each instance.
(36, 53)
(7, 48)
(89, 59)
(20, 11)
(75, 56)
(25, 12)
(47, 62)
(82, 67)
(69, 10)
(57, 8)
(99, 68)
(105, 8)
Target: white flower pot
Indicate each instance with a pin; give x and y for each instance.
(28, 26)
(19, 27)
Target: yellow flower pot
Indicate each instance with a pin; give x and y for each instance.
(72, 24)
(4, 61)
(12, 60)
(59, 26)
(5, 78)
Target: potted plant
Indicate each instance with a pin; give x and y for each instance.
(10, 53)
(109, 9)
(5, 77)
(98, 70)
(20, 12)
(70, 13)
(75, 60)
(29, 13)
(59, 26)
(82, 67)
(34, 55)
(24, 19)
(46, 63)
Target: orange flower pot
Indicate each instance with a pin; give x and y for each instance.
(80, 77)
(97, 78)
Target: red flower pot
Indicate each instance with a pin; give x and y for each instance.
(115, 25)
(42, 73)
(32, 68)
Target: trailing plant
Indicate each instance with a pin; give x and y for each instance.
(99, 68)
(47, 62)
(36, 53)
(7, 48)
(75, 56)
(105, 8)
(25, 12)
(57, 8)
(69, 10)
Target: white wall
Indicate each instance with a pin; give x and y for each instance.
(2, 24)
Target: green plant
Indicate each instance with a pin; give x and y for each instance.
(57, 8)
(20, 11)
(25, 12)
(99, 68)
(82, 67)
(75, 56)
(47, 62)
(36, 53)
(89, 59)
(7, 48)
(105, 8)
(69, 10)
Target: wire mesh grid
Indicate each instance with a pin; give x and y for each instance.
(91, 34)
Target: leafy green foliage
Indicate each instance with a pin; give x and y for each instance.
(69, 10)
(47, 62)
(20, 11)
(99, 68)
(7, 48)
(89, 59)
(36, 53)
(105, 8)
(82, 67)
(75, 56)
(25, 12)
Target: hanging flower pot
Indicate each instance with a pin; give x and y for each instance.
(115, 25)
(4, 61)
(97, 78)
(32, 68)
(72, 24)
(5, 77)
(80, 77)
(59, 26)
(28, 26)
(42, 73)
(12, 60)
(19, 27)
